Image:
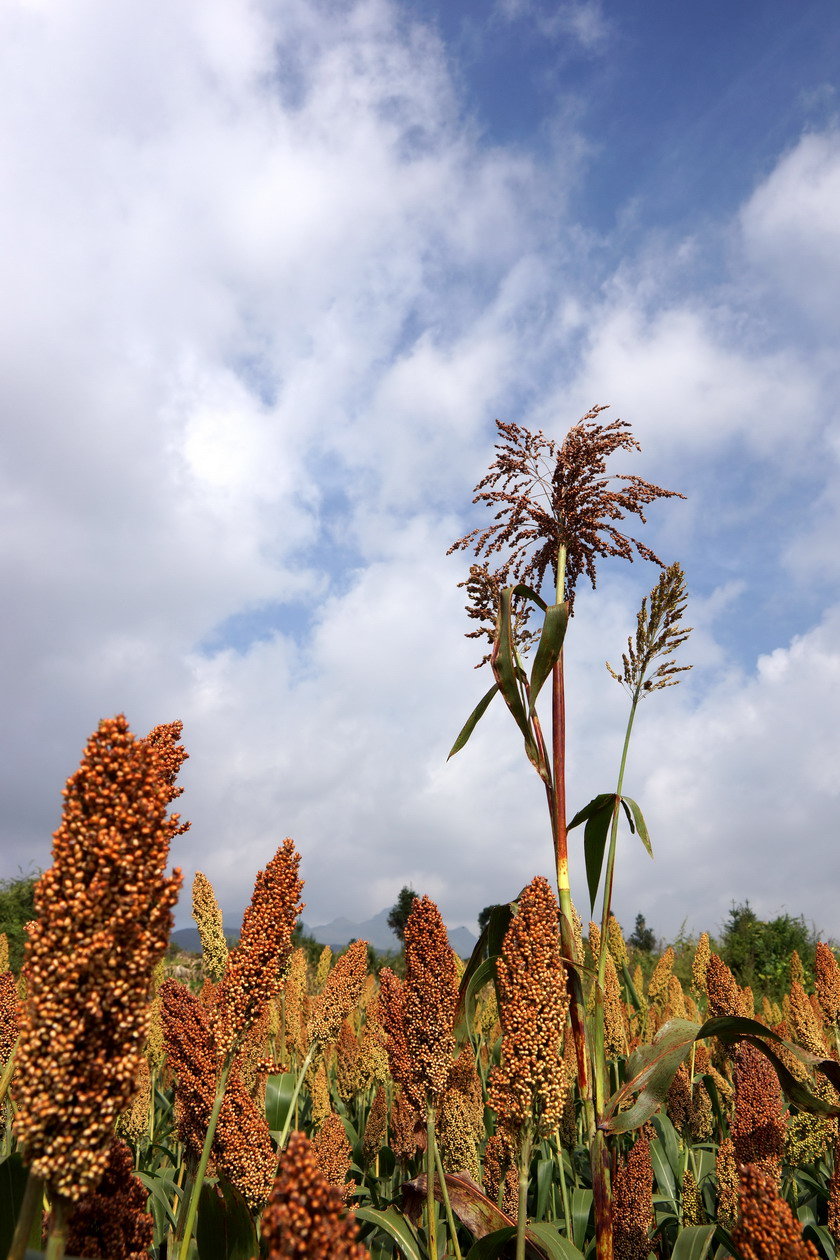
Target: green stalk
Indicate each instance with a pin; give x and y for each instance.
(310, 1054)
(447, 1206)
(29, 1219)
(522, 1208)
(192, 1211)
(8, 1073)
(431, 1206)
(57, 1240)
(564, 1190)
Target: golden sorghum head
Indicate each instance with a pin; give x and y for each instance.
(615, 942)
(594, 941)
(134, 1122)
(9, 1018)
(4, 952)
(722, 989)
(834, 1192)
(658, 983)
(807, 1137)
(319, 1094)
(678, 1099)
(104, 918)
(242, 1146)
(373, 1138)
(675, 1004)
(501, 1174)
(333, 1152)
(342, 990)
(726, 1175)
(392, 1015)
(294, 1006)
(323, 968)
(795, 969)
(111, 1222)
(768, 1229)
(615, 1016)
(757, 1127)
(529, 1087)
(408, 1127)
(577, 933)
(828, 982)
(349, 1078)
(208, 920)
(430, 997)
(460, 1119)
(306, 1216)
(807, 1028)
(700, 964)
(253, 971)
(692, 1204)
(373, 1055)
(632, 1204)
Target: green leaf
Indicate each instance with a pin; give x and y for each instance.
(507, 676)
(483, 974)
(638, 819)
(693, 1242)
(528, 592)
(581, 1210)
(13, 1177)
(597, 803)
(595, 842)
(822, 1237)
(473, 720)
(650, 1069)
(491, 1245)
(279, 1091)
(489, 944)
(549, 648)
(555, 1245)
(395, 1224)
(224, 1228)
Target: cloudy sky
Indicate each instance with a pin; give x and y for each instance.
(271, 269)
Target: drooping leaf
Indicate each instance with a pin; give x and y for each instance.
(483, 974)
(822, 1237)
(470, 1204)
(491, 1245)
(549, 648)
(279, 1091)
(635, 816)
(581, 1210)
(507, 676)
(224, 1228)
(597, 815)
(693, 1242)
(650, 1070)
(556, 1247)
(521, 591)
(473, 720)
(395, 1224)
(488, 945)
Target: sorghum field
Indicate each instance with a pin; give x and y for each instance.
(549, 1098)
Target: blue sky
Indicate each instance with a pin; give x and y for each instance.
(272, 269)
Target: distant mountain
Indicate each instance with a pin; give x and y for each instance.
(340, 932)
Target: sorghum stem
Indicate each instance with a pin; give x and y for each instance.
(431, 1207)
(522, 1207)
(28, 1216)
(192, 1211)
(447, 1206)
(57, 1240)
(310, 1054)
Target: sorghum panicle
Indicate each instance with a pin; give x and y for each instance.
(373, 1138)
(254, 967)
(632, 1203)
(104, 917)
(111, 1222)
(208, 920)
(342, 991)
(333, 1152)
(828, 983)
(430, 997)
(306, 1216)
(528, 1088)
(768, 1229)
(757, 1127)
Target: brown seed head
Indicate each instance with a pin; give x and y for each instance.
(767, 1229)
(658, 983)
(306, 1217)
(253, 971)
(757, 1127)
(545, 497)
(111, 1222)
(208, 920)
(9, 1016)
(659, 632)
(834, 1192)
(333, 1152)
(632, 1206)
(294, 1006)
(807, 1028)
(700, 964)
(529, 1087)
(430, 996)
(726, 1173)
(724, 994)
(342, 991)
(373, 1138)
(828, 982)
(104, 917)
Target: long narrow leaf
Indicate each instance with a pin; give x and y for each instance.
(527, 592)
(555, 1245)
(595, 843)
(590, 808)
(693, 1242)
(506, 674)
(395, 1224)
(473, 720)
(549, 647)
(638, 819)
